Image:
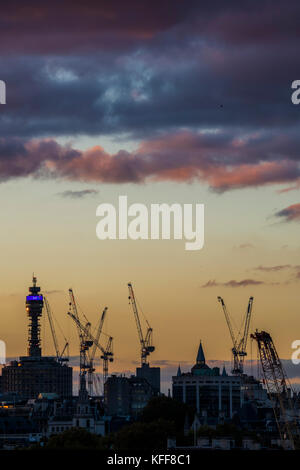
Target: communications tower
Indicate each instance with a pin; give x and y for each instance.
(35, 374)
(34, 308)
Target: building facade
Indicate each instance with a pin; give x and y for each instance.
(85, 416)
(29, 377)
(212, 394)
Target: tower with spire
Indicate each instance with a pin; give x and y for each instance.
(200, 367)
(34, 308)
(34, 375)
(200, 356)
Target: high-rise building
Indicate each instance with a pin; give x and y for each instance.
(117, 396)
(34, 374)
(34, 309)
(125, 396)
(151, 374)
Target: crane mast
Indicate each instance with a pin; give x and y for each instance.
(59, 356)
(49, 314)
(244, 339)
(91, 369)
(277, 382)
(145, 342)
(239, 342)
(107, 357)
(84, 341)
(85, 332)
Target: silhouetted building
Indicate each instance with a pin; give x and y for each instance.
(35, 374)
(84, 415)
(31, 376)
(140, 394)
(253, 390)
(126, 396)
(151, 374)
(117, 396)
(212, 394)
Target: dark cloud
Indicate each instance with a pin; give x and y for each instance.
(205, 89)
(141, 70)
(290, 213)
(243, 283)
(211, 283)
(150, 92)
(267, 269)
(233, 283)
(73, 27)
(77, 194)
(293, 269)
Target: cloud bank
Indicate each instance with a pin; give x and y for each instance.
(290, 213)
(203, 90)
(233, 283)
(220, 160)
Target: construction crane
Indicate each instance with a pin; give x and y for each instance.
(85, 343)
(85, 332)
(107, 353)
(240, 339)
(107, 356)
(145, 341)
(59, 356)
(277, 383)
(93, 353)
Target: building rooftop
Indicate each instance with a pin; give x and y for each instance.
(201, 368)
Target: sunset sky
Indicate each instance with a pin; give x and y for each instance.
(170, 101)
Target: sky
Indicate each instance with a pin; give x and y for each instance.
(174, 101)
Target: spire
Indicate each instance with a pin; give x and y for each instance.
(224, 373)
(179, 371)
(200, 356)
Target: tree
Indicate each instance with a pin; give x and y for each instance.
(143, 436)
(167, 409)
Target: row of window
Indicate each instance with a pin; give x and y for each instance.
(207, 382)
(59, 428)
(65, 428)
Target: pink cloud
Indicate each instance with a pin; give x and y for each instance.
(184, 156)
